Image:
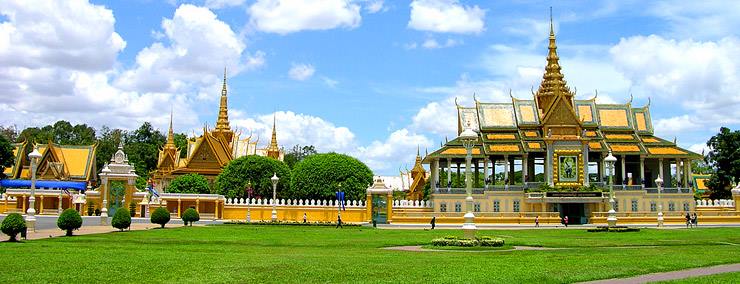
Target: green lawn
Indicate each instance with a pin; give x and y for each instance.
(280, 254)
(722, 278)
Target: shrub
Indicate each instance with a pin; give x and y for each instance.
(462, 242)
(69, 221)
(189, 183)
(90, 209)
(132, 209)
(122, 219)
(617, 229)
(160, 216)
(319, 176)
(255, 169)
(12, 225)
(190, 216)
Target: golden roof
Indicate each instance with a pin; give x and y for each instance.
(665, 151)
(553, 84)
(650, 140)
(640, 120)
(624, 148)
(594, 145)
(613, 117)
(222, 124)
(460, 151)
(501, 136)
(619, 136)
(504, 148)
(531, 134)
(534, 145)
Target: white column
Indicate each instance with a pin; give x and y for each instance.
(624, 172)
(642, 171)
(585, 164)
(449, 171)
(525, 168)
(434, 167)
(506, 171)
(678, 173)
(485, 171)
(660, 171)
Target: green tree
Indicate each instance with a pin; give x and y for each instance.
(256, 170)
(189, 216)
(181, 142)
(142, 147)
(725, 159)
(319, 176)
(297, 154)
(12, 225)
(69, 221)
(189, 183)
(122, 219)
(11, 132)
(108, 141)
(6, 155)
(160, 216)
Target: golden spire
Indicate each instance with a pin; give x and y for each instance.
(222, 123)
(552, 84)
(272, 150)
(170, 135)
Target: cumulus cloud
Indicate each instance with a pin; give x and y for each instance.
(301, 72)
(446, 16)
(288, 16)
(399, 147)
(218, 4)
(431, 43)
(375, 6)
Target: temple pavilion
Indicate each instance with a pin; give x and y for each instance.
(209, 153)
(546, 155)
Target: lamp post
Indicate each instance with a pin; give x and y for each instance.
(611, 220)
(274, 180)
(34, 156)
(659, 183)
(249, 201)
(469, 137)
(339, 202)
(104, 211)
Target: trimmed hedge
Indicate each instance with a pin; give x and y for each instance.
(12, 225)
(190, 216)
(69, 221)
(122, 219)
(319, 176)
(615, 229)
(160, 216)
(453, 241)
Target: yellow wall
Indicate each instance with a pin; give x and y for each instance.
(294, 213)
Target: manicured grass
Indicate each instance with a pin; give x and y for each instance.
(285, 254)
(722, 278)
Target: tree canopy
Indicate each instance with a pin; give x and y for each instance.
(724, 157)
(6, 154)
(297, 154)
(319, 176)
(189, 183)
(254, 170)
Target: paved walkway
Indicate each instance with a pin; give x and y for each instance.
(531, 226)
(673, 275)
(87, 230)
(421, 249)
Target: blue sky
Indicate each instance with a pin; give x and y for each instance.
(373, 79)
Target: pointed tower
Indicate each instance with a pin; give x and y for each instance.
(222, 123)
(273, 151)
(418, 174)
(169, 155)
(553, 84)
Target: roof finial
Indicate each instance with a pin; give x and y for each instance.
(552, 30)
(170, 132)
(223, 88)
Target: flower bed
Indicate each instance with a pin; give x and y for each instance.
(453, 241)
(617, 229)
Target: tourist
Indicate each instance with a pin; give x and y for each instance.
(565, 221)
(434, 221)
(537, 221)
(339, 221)
(305, 218)
(696, 220)
(688, 220)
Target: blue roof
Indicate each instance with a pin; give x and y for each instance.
(24, 183)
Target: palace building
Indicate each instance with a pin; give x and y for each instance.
(209, 153)
(545, 156)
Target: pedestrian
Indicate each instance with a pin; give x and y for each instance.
(696, 220)
(305, 218)
(566, 221)
(688, 220)
(339, 221)
(537, 221)
(434, 221)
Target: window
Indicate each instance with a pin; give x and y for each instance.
(516, 205)
(671, 206)
(458, 207)
(634, 206)
(686, 207)
(443, 207)
(496, 206)
(476, 207)
(652, 206)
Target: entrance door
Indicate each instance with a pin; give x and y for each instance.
(575, 211)
(380, 211)
(115, 196)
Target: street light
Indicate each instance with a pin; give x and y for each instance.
(34, 156)
(611, 220)
(468, 138)
(659, 183)
(274, 180)
(106, 187)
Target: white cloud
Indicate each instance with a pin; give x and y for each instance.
(446, 16)
(330, 82)
(700, 19)
(288, 16)
(198, 46)
(375, 6)
(670, 127)
(301, 72)
(399, 147)
(432, 43)
(701, 76)
(699, 148)
(218, 4)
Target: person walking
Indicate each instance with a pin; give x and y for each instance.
(688, 220)
(305, 218)
(434, 221)
(565, 220)
(339, 221)
(696, 220)
(536, 221)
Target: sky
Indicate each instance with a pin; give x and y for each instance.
(370, 78)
